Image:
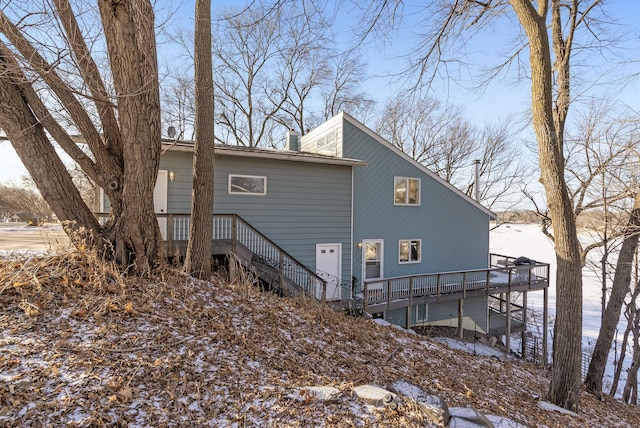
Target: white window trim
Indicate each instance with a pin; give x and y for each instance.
(419, 254)
(364, 258)
(406, 203)
(231, 192)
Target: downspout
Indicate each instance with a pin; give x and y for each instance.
(351, 240)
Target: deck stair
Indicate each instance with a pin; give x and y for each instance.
(233, 235)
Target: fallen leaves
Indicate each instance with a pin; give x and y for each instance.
(172, 351)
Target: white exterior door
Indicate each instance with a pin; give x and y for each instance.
(328, 267)
(160, 200)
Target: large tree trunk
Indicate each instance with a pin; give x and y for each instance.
(29, 140)
(198, 261)
(125, 145)
(129, 32)
(619, 290)
(567, 348)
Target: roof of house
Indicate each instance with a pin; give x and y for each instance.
(345, 116)
(255, 152)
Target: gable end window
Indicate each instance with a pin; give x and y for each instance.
(247, 185)
(409, 251)
(406, 191)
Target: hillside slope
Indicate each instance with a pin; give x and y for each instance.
(82, 346)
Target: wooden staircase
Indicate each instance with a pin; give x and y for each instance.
(233, 235)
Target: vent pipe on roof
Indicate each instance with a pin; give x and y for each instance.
(293, 141)
(476, 181)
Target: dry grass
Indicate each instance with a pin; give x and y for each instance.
(83, 345)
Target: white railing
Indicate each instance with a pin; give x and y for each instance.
(500, 277)
(232, 228)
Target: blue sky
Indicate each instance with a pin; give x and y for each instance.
(502, 97)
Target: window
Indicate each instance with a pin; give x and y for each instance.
(422, 313)
(247, 185)
(372, 259)
(409, 251)
(406, 191)
(327, 143)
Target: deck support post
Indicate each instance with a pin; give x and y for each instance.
(408, 322)
(461, 318)
(234, 234)
(524, 326)
(170, 250)
(508, 338)
(545, 326)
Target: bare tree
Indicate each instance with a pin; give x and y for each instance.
(502, 172)
(198, 260)
(23, 199)
(245, 49)
(302, 65)
(178, 103)
(630, 390)
(628, 314)
(343, 91)
(602, 159)
(277, 67)
(124, 146)
(436, 135)
(417, 127)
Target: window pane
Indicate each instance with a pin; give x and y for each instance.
(372, 251)
(414, 191)
(404, 251)
(415, 251)
(372, 270)
(247, 185)
(401, 191)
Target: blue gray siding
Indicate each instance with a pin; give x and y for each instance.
(454, 233)
(306, 203)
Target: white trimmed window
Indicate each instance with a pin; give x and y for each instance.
(406, 191)
(409, 251)
(373, 259)
(247, 185)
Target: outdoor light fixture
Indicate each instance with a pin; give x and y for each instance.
(172, 175)
(359, 244)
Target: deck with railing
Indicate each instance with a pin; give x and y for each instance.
(232, 234)
(502, 276)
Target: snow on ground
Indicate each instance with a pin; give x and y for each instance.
(22, 227)
(528, 240)
(474, 348)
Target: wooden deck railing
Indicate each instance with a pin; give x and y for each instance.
(501, 277)
(235, 230)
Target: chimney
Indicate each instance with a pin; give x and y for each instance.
(293, 141)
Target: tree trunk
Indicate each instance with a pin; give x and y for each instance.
(619, 290)
(567, 347)
(129, 32)
(29, 140)
(198, 260)
(632, 374)
(623, 353)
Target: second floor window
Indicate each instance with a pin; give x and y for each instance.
(406, 191)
